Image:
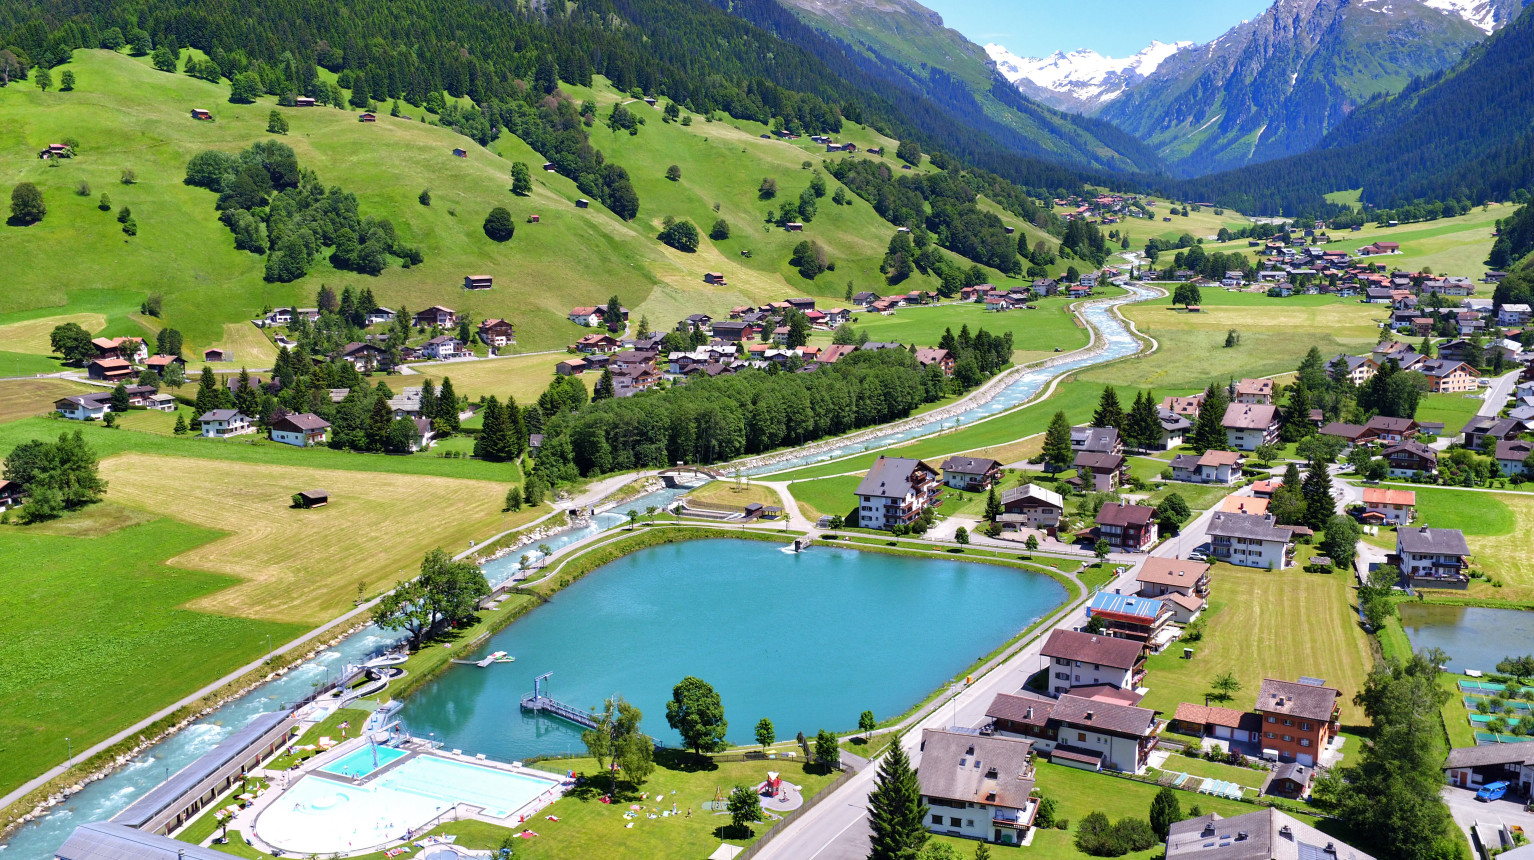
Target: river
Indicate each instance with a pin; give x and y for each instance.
(38, 839)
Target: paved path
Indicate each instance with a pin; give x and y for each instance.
(1496, 395)
(1467, 811)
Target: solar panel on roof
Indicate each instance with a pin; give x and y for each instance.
(1312, 682)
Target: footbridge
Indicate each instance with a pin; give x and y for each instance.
(682, 475)
(540, 703)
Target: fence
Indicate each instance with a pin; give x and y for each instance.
(809, 804)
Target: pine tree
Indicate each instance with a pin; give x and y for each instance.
(377, 432)
(603, 390)
(447, 405)
(180, 427)
(516, 429)
(245, 397)
(1209, 429)
(1057, 444)
(494, 435)
(210, 395)
(1143, 424)
(1109, 413)
(1164, 812)
(1317, 490)
(1296, 414)
(992, 505)
(896, 814)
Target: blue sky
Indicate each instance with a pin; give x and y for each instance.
(1034, 28)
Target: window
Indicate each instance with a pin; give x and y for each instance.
(1289, 738)
(954, 822)
(1272, 720)
(1288, 722)
(937, 819)
(1306, 727)
(1081, 736)
(1304, 742)
(968, 822)
(1268, 734)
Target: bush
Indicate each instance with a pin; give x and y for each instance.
(27, 205)
(720, 230)
(681, 235)
(498, 224)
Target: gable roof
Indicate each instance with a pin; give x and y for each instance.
(302, 422)
(219, 415)
(970, 465)
(1388, 496)
(1212, 715)
(1035, 492)
(976, 769)
(890, 476)
(1116, 514)
(105, 840)
(1432, 541)
(1248, 526)
(1249, 416)
(1308, 701)
(1171, 571)
(1092, 648)
(1104, 716)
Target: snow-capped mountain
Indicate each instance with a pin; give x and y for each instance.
(1485, 15)
(1084, 80)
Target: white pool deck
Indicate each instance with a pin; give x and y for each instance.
(307, 812)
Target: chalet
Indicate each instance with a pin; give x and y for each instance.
(895, 492)
(1100, 473)
(422, 437)
(1031, 506)
(1140, 619)
(1168, 577)
(477, 282)
(364, 356)
(1212, 721)
(1210, 467)
(864, 299)
(161, 402)
(733, 331)
(1513, 314)
(223, 423)
(1357, 369)
(1127, 528)
(598, 343)
(11, 494)
(1433, 558)
(802, 303)
(1384, 428)
(971, 474)
(1445, 376)
(570, 367)
(199, 113)
(109, 369)
(1266, 834)
(1379, 296)
(129, 348)
(977, 787)
(140, 395)
(436, 315)
(378, 316)
(460, 152)
(1173, 427)
(160, 363)
(367, 117)
(497, 332)
(1096, 440)
(215, 354)
(1187, 407)
(302, 430)
(631, 380)
(85, 407)
(1483, 432)
(1045, 286)
(927, 357)
(1251, 540)
(1352, 434)
(1408, 458)
(1377, 248)
(1383, 505)
(1252, 391)
(1511, 456)
(1075, 731)
(442, 347)
(303, 101)
(1248, 425)
(1078, 659)
(1298, 718)
(1001, 302)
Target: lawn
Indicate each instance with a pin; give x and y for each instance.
(1275, 334)
(589, 828)
(247, 449)
(26, 398)
(521, 376)
(1034, 333)
(1497, 527)
(100, 631)
(33, 335)
(1268, 624)
(329, 727)
(1452, 410)
(304, 565)
(729, 494)
(829, 496)
(1214, 770)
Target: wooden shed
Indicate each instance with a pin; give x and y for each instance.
(313, 499)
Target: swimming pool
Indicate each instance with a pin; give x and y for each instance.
(363, 760)
(319, 815)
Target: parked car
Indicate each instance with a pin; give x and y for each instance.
(1491, 791)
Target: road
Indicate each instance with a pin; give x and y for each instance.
(1496, 396)
(1467, 811)
(837, 828)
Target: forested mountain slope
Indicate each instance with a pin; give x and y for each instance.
(1274, 86)
(1463, 134)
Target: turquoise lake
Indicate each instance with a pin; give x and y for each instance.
(808, 640)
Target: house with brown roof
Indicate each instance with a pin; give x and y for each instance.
(302, 430)
(1408, 458)
(436, 315)
(109, 369)
(160, 363)
(1210, 467)
(1384, 505)
(1187, 407)
(1031, 506)
(1127, 528)
(972, 474)
(130, 348)
(1159, 577)
(976, 786)
(1298, 718)
(926, 357)
(1248, 425)
(1079, 732)
(1213, 721)
(1078, 659)
(1447, 376)
(497, 332)
(1511, 455)
(1252, 391)
(1385, 428)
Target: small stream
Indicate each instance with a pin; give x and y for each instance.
(38, 839)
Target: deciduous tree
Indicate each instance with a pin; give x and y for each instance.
(697, 714)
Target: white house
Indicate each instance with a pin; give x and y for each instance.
(1210, 467)
(441, 347)
(895, 492)
(1389, 505)
(1099, 733)
(977, 787)
(1079, 659)
(85, 407)
(1251, 540)
(302, 430)
(1248, 425)
(586, 316)
(223, 423)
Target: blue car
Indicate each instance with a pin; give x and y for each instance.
(1492, 791)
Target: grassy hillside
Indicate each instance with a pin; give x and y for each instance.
(126, 115)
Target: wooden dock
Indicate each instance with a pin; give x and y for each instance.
(543, 704)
